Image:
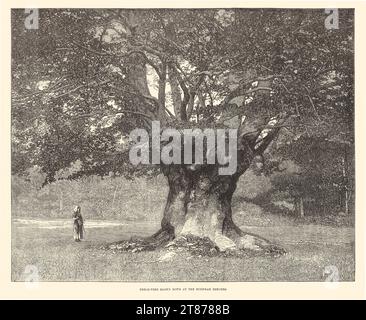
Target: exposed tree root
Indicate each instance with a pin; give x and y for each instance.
(246, 245)
(136, 244)
(248, 241)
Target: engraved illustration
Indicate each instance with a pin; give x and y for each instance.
(183, 145)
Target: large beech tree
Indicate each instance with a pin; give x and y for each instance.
(86, 78)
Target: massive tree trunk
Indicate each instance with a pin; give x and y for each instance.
(199, 206)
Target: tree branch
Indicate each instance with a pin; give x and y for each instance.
(186, 94)
(193, 95)
(79, 87)
(175, 91)
(138, 94)
(262, 144)
(134, 50)
(240, 92)
(147, 60)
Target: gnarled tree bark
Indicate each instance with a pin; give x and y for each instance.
(199, 205)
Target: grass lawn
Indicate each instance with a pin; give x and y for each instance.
(49, 246)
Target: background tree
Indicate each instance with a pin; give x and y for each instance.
(323, 175)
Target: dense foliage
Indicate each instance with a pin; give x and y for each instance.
(86, 78)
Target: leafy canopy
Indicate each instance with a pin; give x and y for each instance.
(86, 78)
